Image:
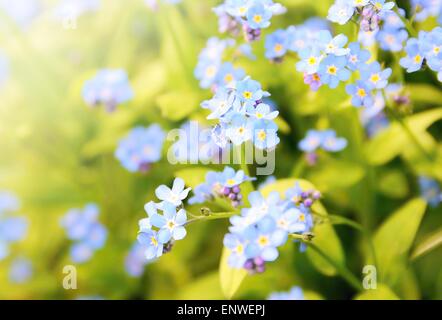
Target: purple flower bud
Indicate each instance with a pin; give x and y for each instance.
(232, 196)
(305, 195)
(250, 34)
(235, 204)
(239, 196)
(259, 261)
(236, 189)
(226, 191)
(144, 167)
(311, 158)
(260, 269)
(316, 195)
(308, 202)
(248, 265)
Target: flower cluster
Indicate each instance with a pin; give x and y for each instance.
(424, 51)
(369, 11)
(135, 260)
(243, 116)
(82, 227)
(21, 270)
(249, 15)
(109, 87)
(211, 71)
(430, 191)
(12, 228)
(295, 293)
(225, 184)
(324, 139)
(158, 232)
(256, 234)
(140, 148)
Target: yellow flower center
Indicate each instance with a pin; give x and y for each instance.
(170, 224)
(230, 182)
(316, 77)
(278, 47)
(210, 71)
(302, 217)
(242, 10)
(436, 50)
(312, 61)
(375, 78)
(154, 241)
(241, 130)
(332, 70)
(259, 115)
(361, 93)
(247, 94)
(417, 58)
(262, 135)
(257, 18)
(239, 249)
(378, 5)
(228, 78)
(263, 240)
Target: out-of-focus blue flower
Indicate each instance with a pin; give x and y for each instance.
(140, 148)
(423, 9)
(109, 87)
(174, 196)
(430, 191)
(357, 56)
(361, 94)
(236, 245)
(332, 143)
(295, 293)
(82, 227)
(135, 260)
(325, 139)
(12, 228)
(227, 75)
(332, 70)
(20, 271)
(23, 12)
(391, 39)
(431, 45)
(76, 8)
(4, 69)
(341, 12)
(374, 76)
(258, 16)
(8, 202)
(276, 44)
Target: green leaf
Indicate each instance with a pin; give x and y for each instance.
(382, 292)
(393, 183)
(424, 93)
(325, 236)
(192, 176)
(394, 238)
(177, 105)
(206, 287)
(431, 242)
(230, 278)
(390, 142)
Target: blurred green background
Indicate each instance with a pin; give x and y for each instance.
(57, 153)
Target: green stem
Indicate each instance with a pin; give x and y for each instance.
(212, 216)
(335, 219)
(407, 23)
(299, 168)
(342, 270)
